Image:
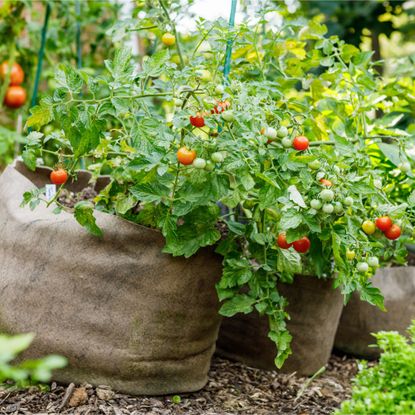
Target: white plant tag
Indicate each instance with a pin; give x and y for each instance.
(50, 191)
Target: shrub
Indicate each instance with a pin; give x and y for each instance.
(388, 387)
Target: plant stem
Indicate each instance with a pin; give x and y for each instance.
(179, 50)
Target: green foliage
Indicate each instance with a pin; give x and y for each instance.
(388, 387)
(297, 83)
(27, 372)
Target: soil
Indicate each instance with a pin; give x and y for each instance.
(232, 389)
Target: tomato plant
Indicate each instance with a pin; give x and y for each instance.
(289, 176)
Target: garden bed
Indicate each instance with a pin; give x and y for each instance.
(232, 389)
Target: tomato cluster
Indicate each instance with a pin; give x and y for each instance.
(301, 245)
(385, 224)
(15, 95)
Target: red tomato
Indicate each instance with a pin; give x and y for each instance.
(16, 74)
(222, 106)
(326, 182)
(384, 223)
(197, 120)
(59, 176)
(300, 143)
(282, 241)
(186, 156)
(15, 97)
(302, 245)
(394, 232)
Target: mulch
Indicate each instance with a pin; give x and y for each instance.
(232, 389)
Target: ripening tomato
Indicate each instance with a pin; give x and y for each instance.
(326, 182)
(197, 120)
(394, 232)
(168, 39)
(186, 156)
(220, 107)
(15, 97)
(302, 245)
(384, 223)
(350, 255)
(59, 176)
(368, 227)
(16, 73)
(282, 241)
(300, 143)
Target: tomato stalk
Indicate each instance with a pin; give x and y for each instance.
(173, 26)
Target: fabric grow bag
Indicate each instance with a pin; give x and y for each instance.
(314, 308)
(124, 314)
(360, 319)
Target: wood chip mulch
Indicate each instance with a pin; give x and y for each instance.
(232, 389)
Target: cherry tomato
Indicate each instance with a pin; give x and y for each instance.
(282, 241)
(327, 195)
(168, 39)
(228, 116)
(314, 165)
(316, 204)
(186, 156)
(384, 223)
(348, 201)
(15, 97)
(350, 255)
(221, 107)
(373, 261)
(16, 73)
(326, 182)
(217, 157)
(300, 143)
(362, 267)
(394, 232)
(59, 176)
(368, 227)
(197, 120)
(282, 132)
(286, 142)
(269, 132)
(328, 208)
(302, 245)
(199, 163)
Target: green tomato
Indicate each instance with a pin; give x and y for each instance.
(316, 204)
(178, 102)
(314, 165)
(348, 201)
(328, 208)
(312, 212)
(209, 165)
(199, 163)
(350, 255)
(287, 142)
(362, 267)
(338, 207)
(270, 133)
(373, 261)
(327, 195)
(228, 116)
(282, 132)
(219, 90)
(217, 157)
(405, 166)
